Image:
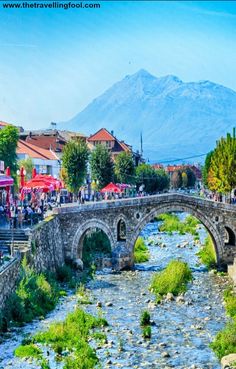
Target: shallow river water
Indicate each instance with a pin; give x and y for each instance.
(181, 332)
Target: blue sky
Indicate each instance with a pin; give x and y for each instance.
(54, 62)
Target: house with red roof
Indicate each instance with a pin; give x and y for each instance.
(115, 146)
(45, 161)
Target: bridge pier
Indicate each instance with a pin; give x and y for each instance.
(122, 258)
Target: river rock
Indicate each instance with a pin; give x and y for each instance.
(165, 354)
(180, 299)
(99, 304)
(79, 265)
(109, 304)
(228, 361)
(170, 297)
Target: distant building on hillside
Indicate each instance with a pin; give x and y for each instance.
(106, 138)
(45, 161)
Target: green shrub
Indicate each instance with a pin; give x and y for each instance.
(225, 341)
(207, 253)
(172, 223)
(71, 335)
(147, 331)
(173, 278)
(26, 351)
(145, 318)
(141, 252)
(64, 273)
(230, 302)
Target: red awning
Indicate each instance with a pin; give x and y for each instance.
(6, 181)
(111, 187)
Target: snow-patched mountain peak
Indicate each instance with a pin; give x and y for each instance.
(178, 119)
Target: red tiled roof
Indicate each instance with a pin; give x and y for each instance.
(34, 152)
(102, 135)
(4, 124)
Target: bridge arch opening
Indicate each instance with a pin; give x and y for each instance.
(230, 239)
(92, 237)
(179, 208)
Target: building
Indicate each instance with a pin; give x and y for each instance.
(45, 161)
(50, 139)
(104, 137)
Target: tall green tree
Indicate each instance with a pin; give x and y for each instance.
(222, 172)
(176, 179)
(74, 163)
(153, 180)
(28, 165)
(9, 136)
(124, 167)
(206, 168)
(102, 167)
(191, 177)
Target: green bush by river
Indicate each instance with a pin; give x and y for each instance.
(68, 339)
(94, 244)
(207, 253)
(172, 223)
(225, 341)
(141, 252)
(174, 278)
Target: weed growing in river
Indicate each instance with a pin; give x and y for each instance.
(207, 253)
(141, 252)
(173, 278)
(145, 318)
(147, 332)
(172, 223)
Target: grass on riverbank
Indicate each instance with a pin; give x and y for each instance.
(68, 339)
(207, 253)
(171, 223)
(35, 295)
(141, 252)
(225, 341)
(173, 278)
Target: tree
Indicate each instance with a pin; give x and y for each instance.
(191, 177)
(102, 167)
(74, 164)
(184, 179)
(28, 165)
(176, 179)
(206, 168)
(124, 167)
(9, 136)
(153, 180)
(222, 172)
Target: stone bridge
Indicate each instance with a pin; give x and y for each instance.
(123, 220)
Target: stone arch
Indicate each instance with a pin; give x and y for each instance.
(230, 237)
(203, 218)
(77, 244)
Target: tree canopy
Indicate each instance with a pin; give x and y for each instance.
(74, 163)
(8, 144)
(153, 180)
(124, 167)
(102, 167)
(222, 171)
(206, 168)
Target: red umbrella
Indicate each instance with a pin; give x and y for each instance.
(111, 187)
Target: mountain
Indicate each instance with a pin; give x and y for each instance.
(177, 119)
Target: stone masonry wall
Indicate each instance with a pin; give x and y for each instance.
(8, 280)
(47, 252)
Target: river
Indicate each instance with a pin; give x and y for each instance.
(181, 332)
